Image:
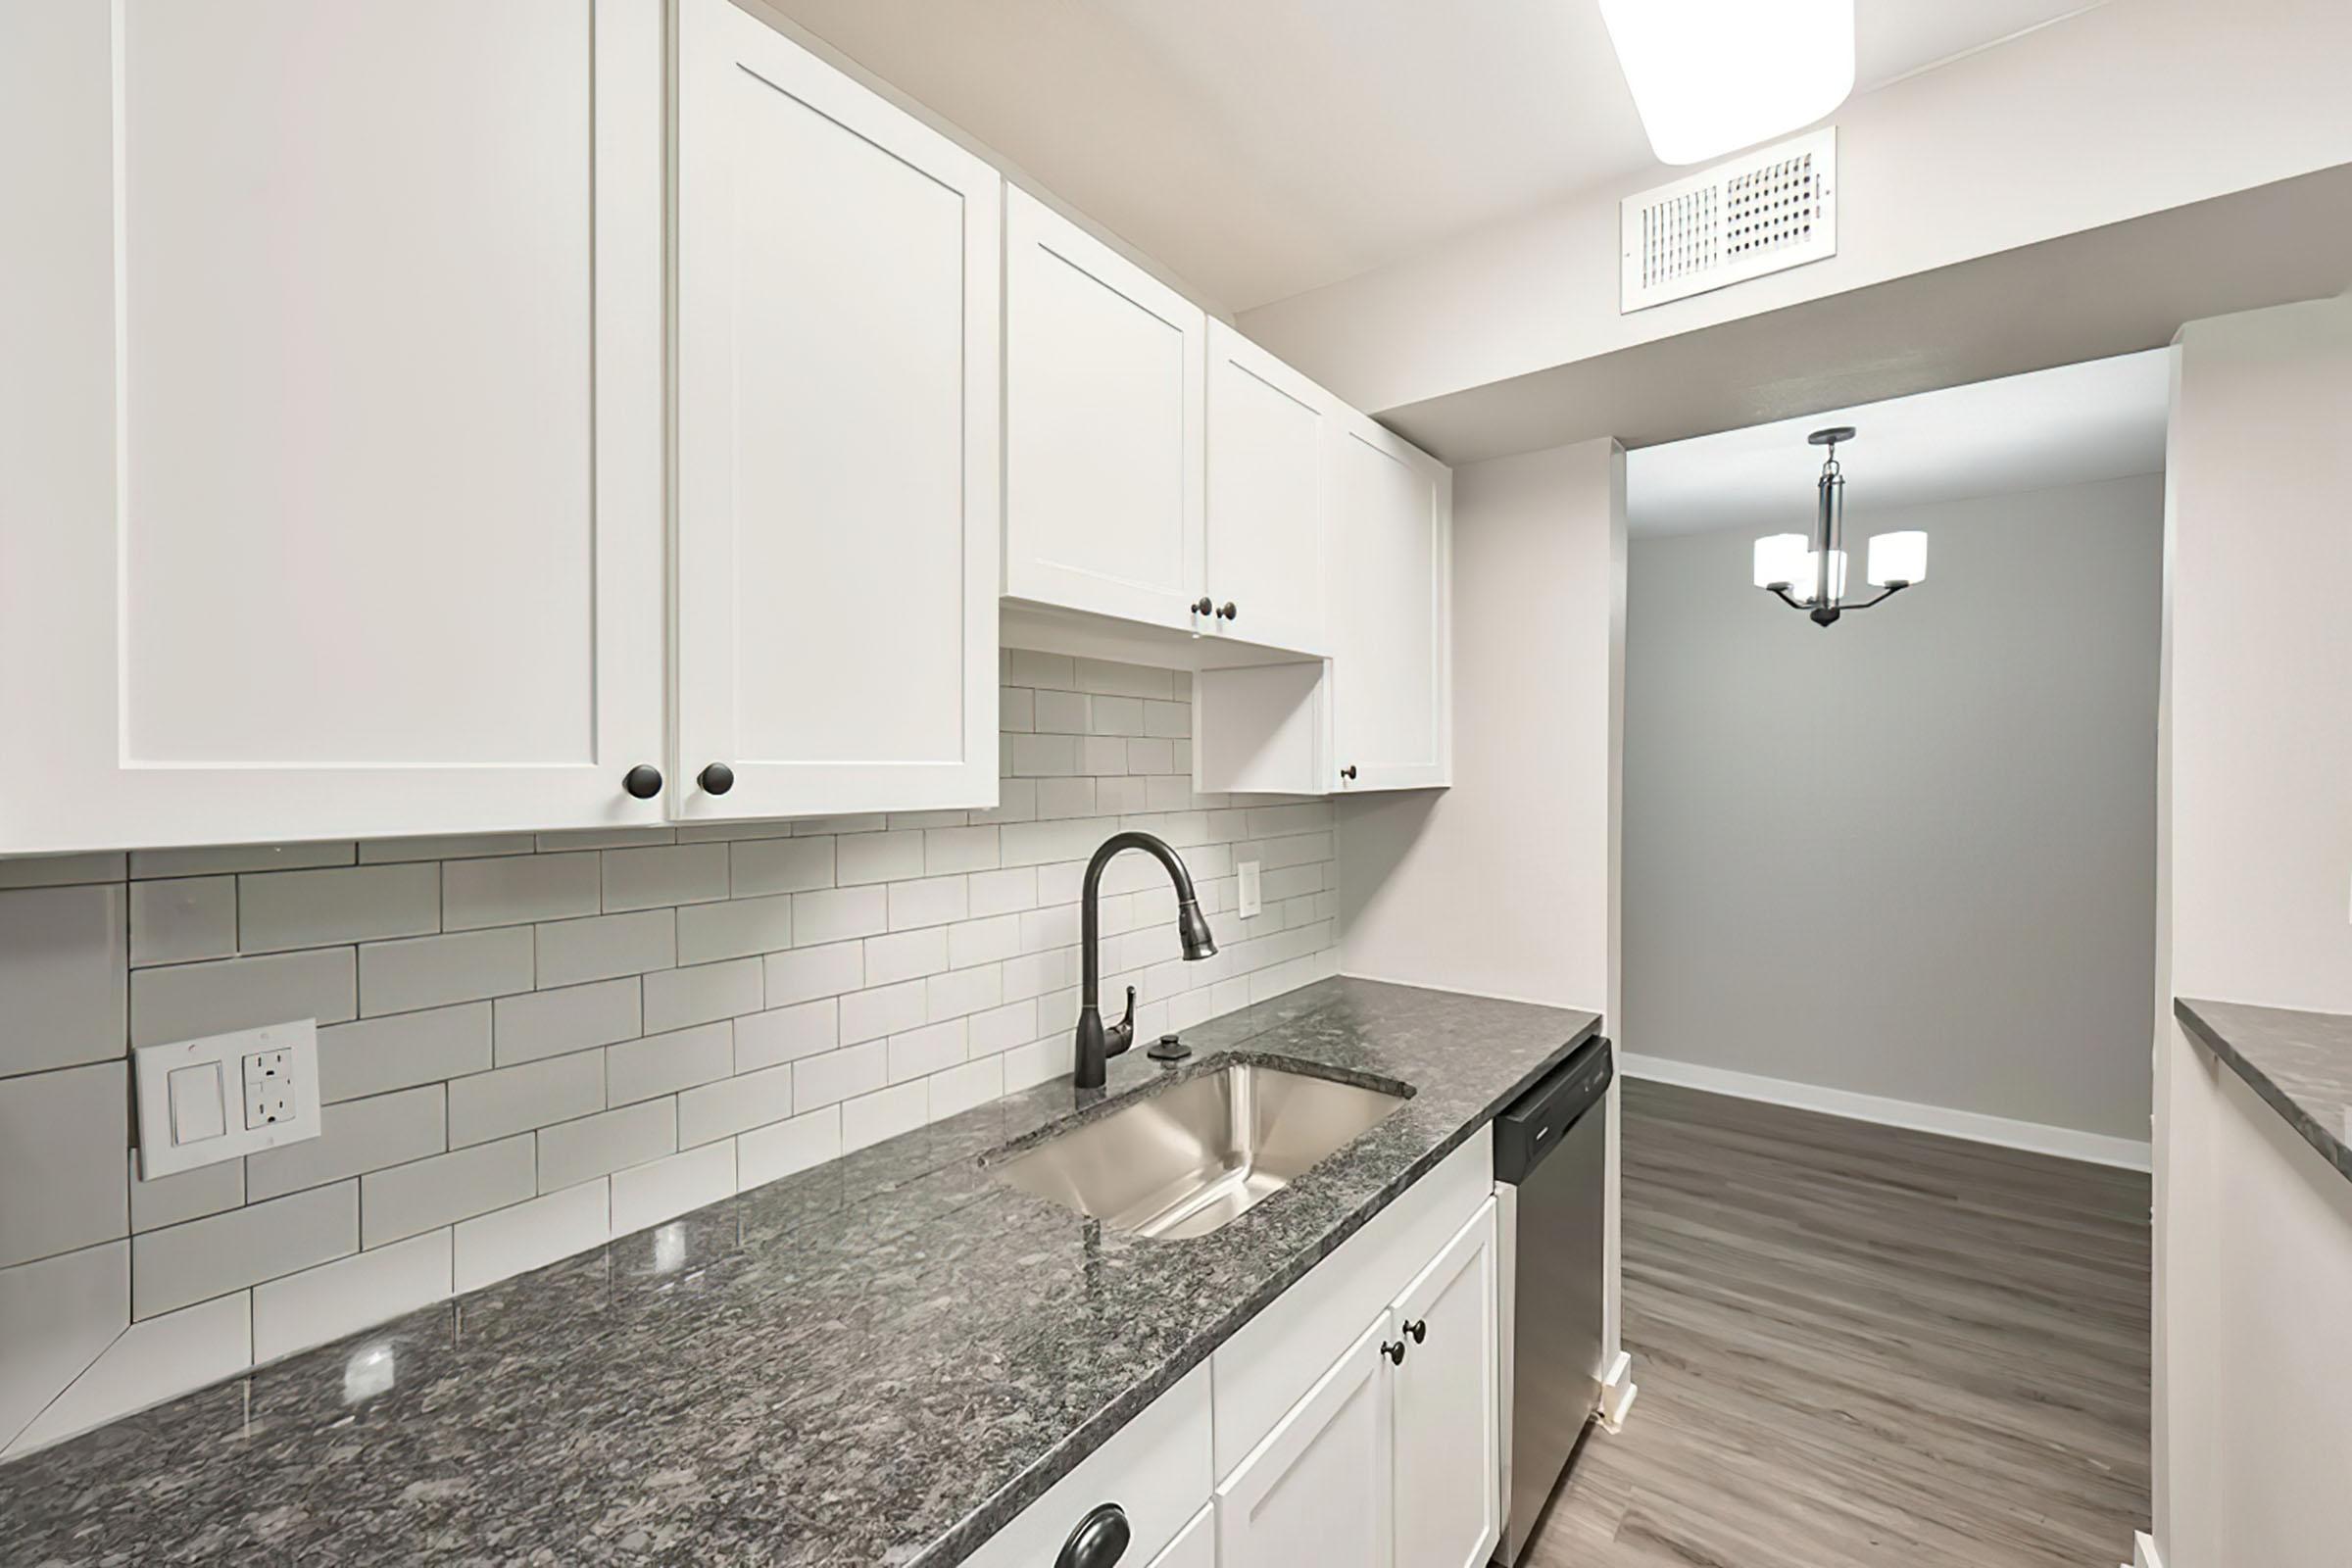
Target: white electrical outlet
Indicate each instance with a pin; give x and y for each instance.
(1249, 903)
(223, 1096)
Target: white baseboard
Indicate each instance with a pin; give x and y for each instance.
(1617, 1392)
(2064, 1141)
(2144, 1553)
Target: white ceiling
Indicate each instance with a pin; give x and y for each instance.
(1259, 148)
(2071, 425)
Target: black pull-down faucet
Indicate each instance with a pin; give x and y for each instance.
(1096, 1044)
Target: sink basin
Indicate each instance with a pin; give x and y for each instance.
(1198, 1154)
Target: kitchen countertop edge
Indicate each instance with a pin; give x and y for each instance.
(2239, 1033)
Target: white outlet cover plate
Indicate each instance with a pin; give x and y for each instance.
(1248, 897)
(152, 1066)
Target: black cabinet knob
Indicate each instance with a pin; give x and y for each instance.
(1203, 605)
(1395, 1353)
(716, 779)
(643, 781)
(1229, 611)
(1418, 1329)
(1100, 1540)
(1349, 772)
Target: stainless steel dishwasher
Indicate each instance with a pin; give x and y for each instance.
(1551, 1170)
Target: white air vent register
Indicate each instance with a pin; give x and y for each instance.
(1760, 213)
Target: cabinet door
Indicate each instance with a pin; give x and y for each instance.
(1103, 414)
(1392, 560)
(1449, 1407)
(1317, 1488)
(837, 434)
(1195, 1547)
(1270, 475)
(330, 433)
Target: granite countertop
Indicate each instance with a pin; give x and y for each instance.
(2301, 1062)
(879, 1360)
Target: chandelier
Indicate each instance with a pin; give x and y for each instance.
(1809, 573)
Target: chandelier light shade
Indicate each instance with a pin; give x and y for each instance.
(1809, 573)
(1710, 76)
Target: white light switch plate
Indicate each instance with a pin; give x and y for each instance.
(1248, 895)
(223, 1097)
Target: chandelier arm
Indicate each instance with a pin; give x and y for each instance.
(1780, 591)
(1885, 594)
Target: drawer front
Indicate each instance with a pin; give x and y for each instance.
(1271, 1364)
(1155, 1468)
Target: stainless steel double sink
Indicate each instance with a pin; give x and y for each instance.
(1195, 1155)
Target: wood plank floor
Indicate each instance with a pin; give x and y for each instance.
(1864, 1347)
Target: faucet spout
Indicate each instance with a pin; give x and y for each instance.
(1096, 1044)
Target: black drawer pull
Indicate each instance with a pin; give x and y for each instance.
(1100, 1540)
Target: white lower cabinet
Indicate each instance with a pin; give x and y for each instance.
(1317, 1489)
(1195, 1547)
(1449, 1406)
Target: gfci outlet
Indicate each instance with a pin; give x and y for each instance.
(1248, 897)
(223, 1097)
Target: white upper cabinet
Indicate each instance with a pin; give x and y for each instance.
(837, 408)
(1270, 476)
(1449, 1406)
(1391, 565)
(330, 427)
(1104, 415)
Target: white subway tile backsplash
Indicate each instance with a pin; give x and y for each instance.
(447, 847)
(786, 1034)
(63, 870)
(739, 928)
(664, 1063)
(510, 1099)
(325, 1303)
(64, 1184)
(677, 998)
(672, 874)
(553, 1023)
(871, 1013)
(933, 901)
(513, 1241)
(806, 973)
(574, 952)
(374, 1056)
(838, 1074)
(189, 1001)
(182, 1264)
(152, 1360)
(278, 911)
(217, 859)
(178, 920)
(185, 1195)
(905, 955)
(353, 1137)
(577, 1005)
(573, 1152)
(645, 1195)
(433, 971)
(519, 890)
(778, 1149)
(57, 1316)
(861, 858)
(919, 1052)
(63, 960)
(885, 1114)
(834, 914)
(408, 1199)
(780, 865)
(744, 1100)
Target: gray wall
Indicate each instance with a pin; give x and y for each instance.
(1913, 855)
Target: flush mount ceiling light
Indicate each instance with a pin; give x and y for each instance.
(1809, 574)
(1710, 76)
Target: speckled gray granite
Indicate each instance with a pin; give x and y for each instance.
(2300, 1062)
(880, 1360)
